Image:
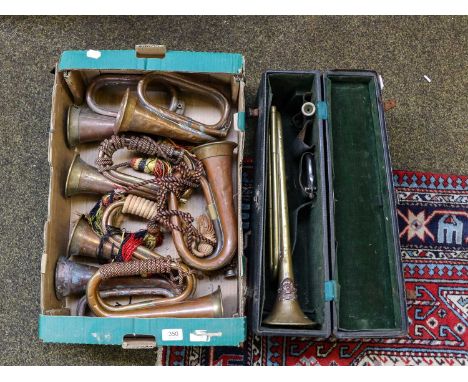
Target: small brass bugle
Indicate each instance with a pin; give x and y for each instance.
(83, 178)
(96, 121)
(286, 310)
(114, 280)
(71, 279)
(181, 306)
(138, 113)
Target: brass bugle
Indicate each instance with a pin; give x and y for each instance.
(74, 278)
(96, 121)
(124, 292)
(83, 178)
(71, 279)
(217, 189)
(137, 114)
(85, 242)
(286, 309)
(209, 306)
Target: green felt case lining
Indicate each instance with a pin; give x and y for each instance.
(365, 269)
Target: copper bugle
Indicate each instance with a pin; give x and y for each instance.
(71, 278)
(217, 188)
(125, 292)
(83, 178)
(96, 122)
(286, 310)
(137, 114)
(209, 306)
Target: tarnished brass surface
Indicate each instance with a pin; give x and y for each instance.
(83, 178)
(96, 102)
(85, 242)
(71, 278)
(286, 310)
(217, 189)
(96, 121)
(209, 306)
(138, 114)
(84, 125)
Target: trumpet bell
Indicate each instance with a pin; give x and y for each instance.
(288, 313)
(85, 179)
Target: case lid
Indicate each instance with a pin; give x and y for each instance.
(364, 241)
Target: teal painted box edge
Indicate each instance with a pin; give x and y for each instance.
(111, 331)
(174, 61)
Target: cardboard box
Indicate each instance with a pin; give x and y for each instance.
(56, 324)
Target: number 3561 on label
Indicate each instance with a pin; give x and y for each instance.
(172, 335)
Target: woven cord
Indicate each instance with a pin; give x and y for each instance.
(164, 266)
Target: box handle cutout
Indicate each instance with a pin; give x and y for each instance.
(138, 341)
(150, 51)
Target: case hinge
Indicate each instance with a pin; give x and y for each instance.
(322, 110)
(330, 290)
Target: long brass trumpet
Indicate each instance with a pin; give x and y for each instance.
(96, 121)
(286, 310)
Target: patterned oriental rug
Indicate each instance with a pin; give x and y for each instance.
(433, 221)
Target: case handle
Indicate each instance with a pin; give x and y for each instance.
(150, 51)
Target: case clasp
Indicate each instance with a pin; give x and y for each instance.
(330, 290)
(322, 110)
